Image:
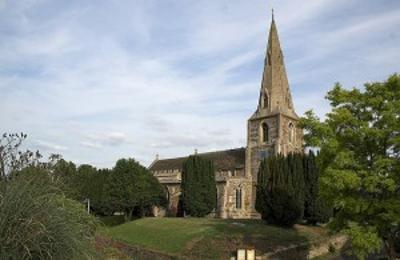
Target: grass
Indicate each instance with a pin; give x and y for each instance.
(209, 238)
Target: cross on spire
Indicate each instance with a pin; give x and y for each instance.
(272, 11)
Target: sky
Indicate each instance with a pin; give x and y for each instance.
(96, 81)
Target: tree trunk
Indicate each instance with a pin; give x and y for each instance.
(130, 214)
(389, 247)
(142, 211)
(2, 165)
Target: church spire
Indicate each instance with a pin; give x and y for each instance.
(275, 96)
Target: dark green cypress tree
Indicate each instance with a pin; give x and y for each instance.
(299, 180)
(263, 179)
(316, 209)
(198, 186)
(277, 192)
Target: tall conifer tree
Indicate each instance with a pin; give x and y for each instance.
(198, 186)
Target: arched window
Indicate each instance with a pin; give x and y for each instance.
(238, 198)
(265, 100)
(265, 133)
(291, 133)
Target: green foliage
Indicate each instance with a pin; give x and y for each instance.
(288, 190)
(198, 186)
(132, 187)
(97, 193)
(64, 175)
(283, 208)
(38, 222)
(316, 208)
(12, 158)
(111, 221)
(359, 145)
(397, 242)
(280, 197)
(128, 187)
(91, 184)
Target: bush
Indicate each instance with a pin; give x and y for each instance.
(283, 208)
(39, 222)
(111, 221)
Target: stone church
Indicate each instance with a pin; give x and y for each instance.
(271, 129)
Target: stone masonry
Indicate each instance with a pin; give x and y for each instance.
(272, 129)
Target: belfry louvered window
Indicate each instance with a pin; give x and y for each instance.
(239, 198)
(265, 100)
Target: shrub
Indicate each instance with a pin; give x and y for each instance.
(39, 222)
(283, 208)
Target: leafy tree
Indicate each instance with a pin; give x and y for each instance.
(38, 222)
(99, 198)
(11, 156)
(199, 188)
(85, 181)
(131, 187)
(359, 145)
(64, 176)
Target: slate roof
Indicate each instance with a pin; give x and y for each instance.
(223, 160)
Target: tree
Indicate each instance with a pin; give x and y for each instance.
(38, 222)
(85, 180)
(199, 188)
(359, 145)
(131, 187)
(280, 186)
(64, 176)
(11, 157)
(316, 208)
(97, 193)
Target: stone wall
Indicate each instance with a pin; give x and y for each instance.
(227, 183)
(174, 193)
(229, 209)
(287, 145)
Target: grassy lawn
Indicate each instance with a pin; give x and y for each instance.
(210, 238)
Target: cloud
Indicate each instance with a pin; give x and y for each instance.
(49, 147)
(136, 78)
(106, 139)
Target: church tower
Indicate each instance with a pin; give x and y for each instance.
(272, 129)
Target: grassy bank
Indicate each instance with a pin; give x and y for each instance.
(210, 238)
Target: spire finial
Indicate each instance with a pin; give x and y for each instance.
(272, 11)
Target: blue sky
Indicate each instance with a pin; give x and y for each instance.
(100, 80)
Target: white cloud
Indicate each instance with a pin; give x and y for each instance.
(106, 139)
(50, 147)
(140, 78)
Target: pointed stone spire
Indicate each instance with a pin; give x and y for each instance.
(275, 96)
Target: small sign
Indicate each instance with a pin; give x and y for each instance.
(246, 254)
(251, 254)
